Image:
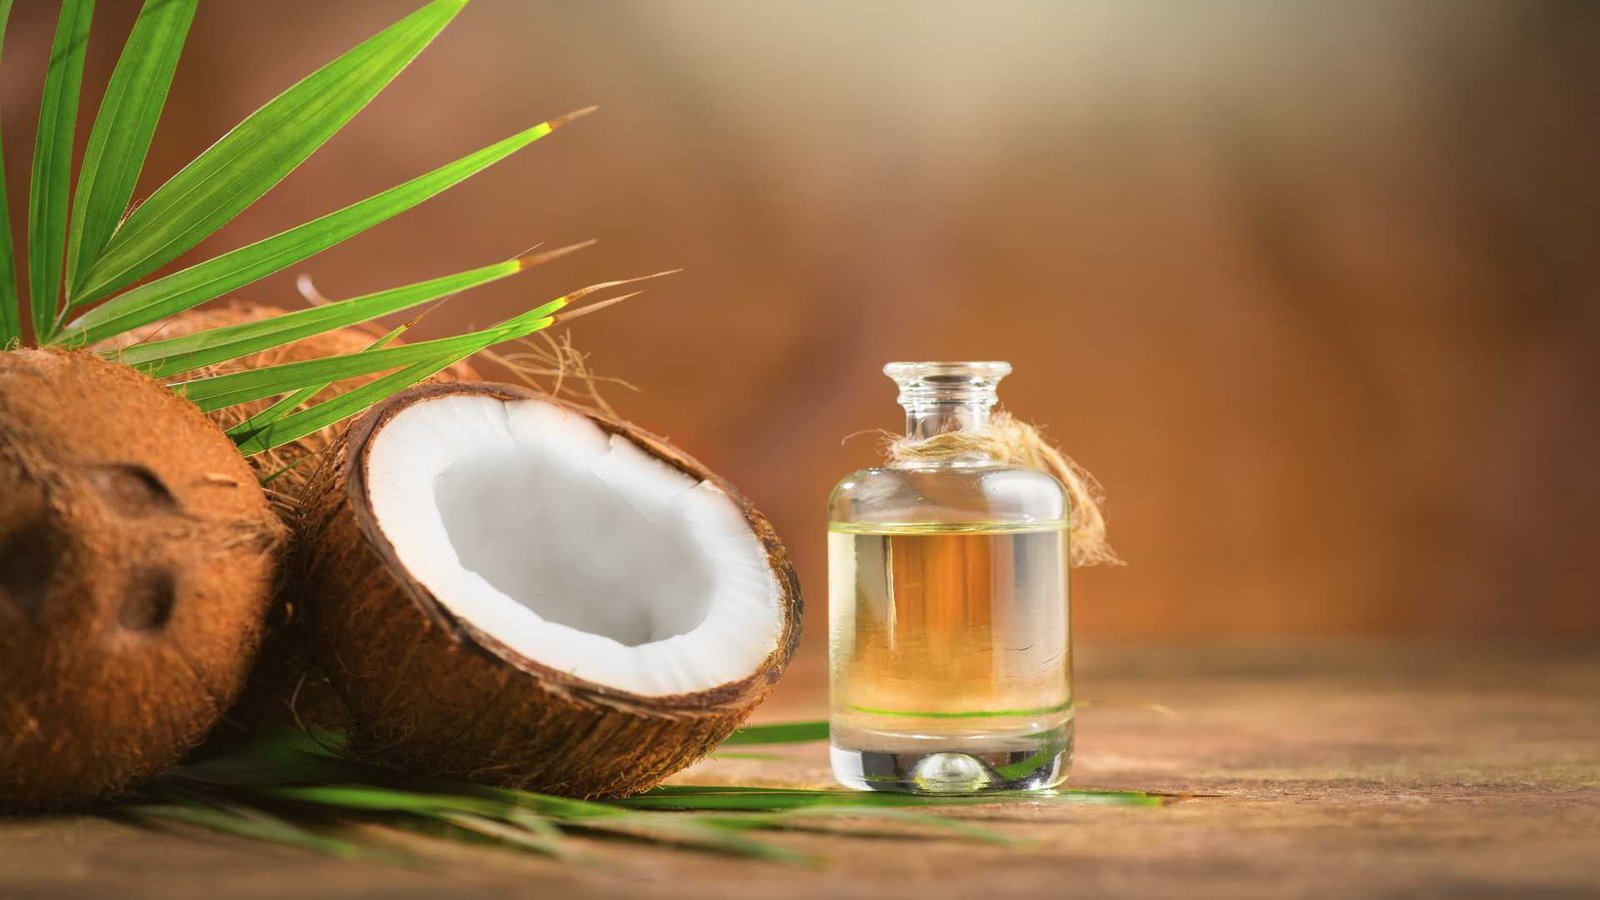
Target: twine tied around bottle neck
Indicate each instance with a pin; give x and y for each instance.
(1020, 444)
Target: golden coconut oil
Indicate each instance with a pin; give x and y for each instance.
(950, 649)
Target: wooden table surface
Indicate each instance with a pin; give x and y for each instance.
(1316, 769)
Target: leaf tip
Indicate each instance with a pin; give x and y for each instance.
(534, 259)
(559, 121)
(595, 307)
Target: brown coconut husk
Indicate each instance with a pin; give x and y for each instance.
(287, 689)
(434, 694)
(137, 556)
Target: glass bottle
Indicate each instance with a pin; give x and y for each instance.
(949, 645)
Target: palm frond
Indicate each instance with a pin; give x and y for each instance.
(257, 424)
(297, 778)
(85, 257)
(215, 277)
(258, 825)
(294, 426)
(257, 153)
(211, 392)
(174, 356)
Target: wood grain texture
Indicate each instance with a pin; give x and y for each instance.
(1323, 770)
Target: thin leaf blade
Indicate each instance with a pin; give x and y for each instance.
(522, 834)
(217, 276)
(174, 356)
(779, 733)
(212, 392)
(373, 798)
(336, 409)
(258, 826)
(259, 152)
(297, 425)
(10, 301)
(255, 784)
(123, 129)
(218, 391)
(52, 163)
(252, 438)
(291, 402)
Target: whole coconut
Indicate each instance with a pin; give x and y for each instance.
(287, 688)
(137, 557)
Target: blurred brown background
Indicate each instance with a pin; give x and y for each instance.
(1313, 288)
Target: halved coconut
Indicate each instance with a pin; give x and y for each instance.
(510, 589)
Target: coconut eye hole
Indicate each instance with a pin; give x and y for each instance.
(147, 601)
(30, 558)
(133, 490)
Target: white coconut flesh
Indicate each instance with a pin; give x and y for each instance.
(574, 547)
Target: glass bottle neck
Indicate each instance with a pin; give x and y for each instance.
(945, 397)
(926, 419)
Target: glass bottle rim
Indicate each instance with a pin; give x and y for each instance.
(980, 370)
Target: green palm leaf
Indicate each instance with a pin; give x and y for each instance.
(52, 163)
(448, 806)
(174, 356)
(381, 799)
(10, 305)
(253, 437)
(298, 425)
(196, 803)
(245, 822)
(100, 253)
(123, 129)
(217, 276)
(219, 391)
(267, 430)
(780, 733)
(288, 404)
(253, 157)
(270, 781)
(536, 835)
